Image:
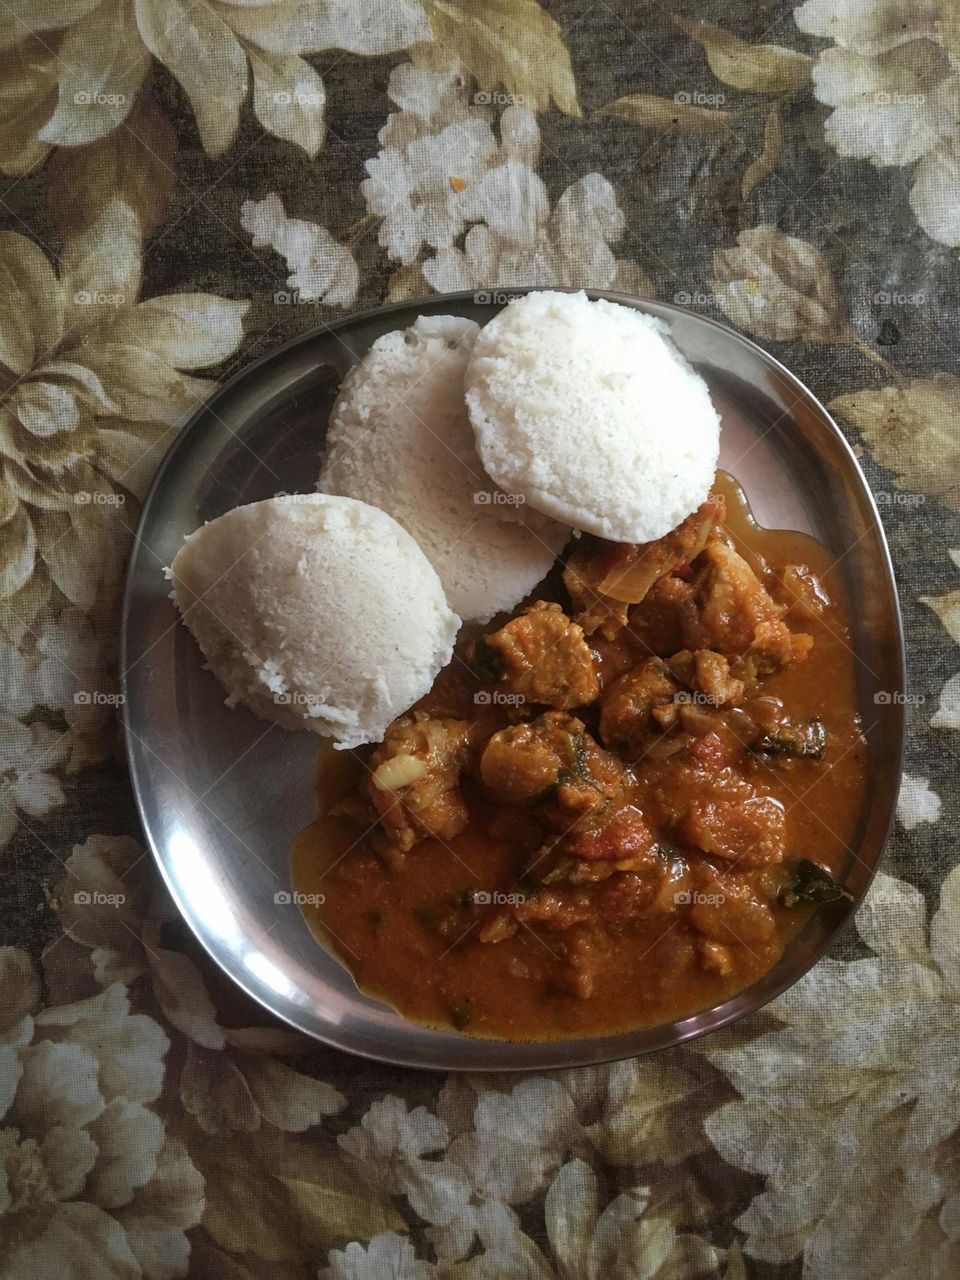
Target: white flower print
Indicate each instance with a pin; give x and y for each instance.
(27, 756)
(22, 693)
(851, 1103)
(86, 1170)
(321, 269)
(893, 82)
(947, 714)
(387, 1257)
(569, 245)
(75, 675)
(916, 802)
(390, 1140)
(434, 150)
(96, 384)
(83, 85)
(112, 907)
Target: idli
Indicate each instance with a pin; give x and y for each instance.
(316, 612)
(399, 438)
(589, 411)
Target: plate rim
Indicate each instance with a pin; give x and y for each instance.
(717, 1016)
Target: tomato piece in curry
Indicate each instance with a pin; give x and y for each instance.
(615, 808)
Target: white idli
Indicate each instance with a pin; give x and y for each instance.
(317, 612)
(399, 438)
(589, 411)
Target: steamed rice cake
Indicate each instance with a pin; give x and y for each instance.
(316, 612)
(399, 438)
(590, 413)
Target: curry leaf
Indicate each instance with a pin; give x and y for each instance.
(807, 741)
(806, 881)
(487, 662)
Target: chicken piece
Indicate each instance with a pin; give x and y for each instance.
(542, 657)
(555, 909)
(574, 940)
(551, 908)
(579, 790)
(646, 562)
(712, 678)
(415, 780)
(625, 716)
(525, 762)
(707, 804)
(727, 907)
(602, 577)
(551, 759)
(736, 615)
(741, 827)
(709, 685)
(584, 951)
(661, 621)
(600, 785)
(621, 837)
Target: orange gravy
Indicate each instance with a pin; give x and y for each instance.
(381, 921)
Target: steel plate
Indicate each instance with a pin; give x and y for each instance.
(222, 795)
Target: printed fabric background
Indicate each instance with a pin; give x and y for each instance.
(188, 184)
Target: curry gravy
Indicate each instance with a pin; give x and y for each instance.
(397, 929)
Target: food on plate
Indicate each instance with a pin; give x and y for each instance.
(615, 797)
(316, 612)
(588, 412)
(613, 809)
(399, 438)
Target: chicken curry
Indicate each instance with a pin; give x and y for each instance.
(613, 809)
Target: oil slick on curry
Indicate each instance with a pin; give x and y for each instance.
(615, 808)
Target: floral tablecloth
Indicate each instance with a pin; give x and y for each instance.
(189, 183)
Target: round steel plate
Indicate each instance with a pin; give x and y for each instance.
(222, 795)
